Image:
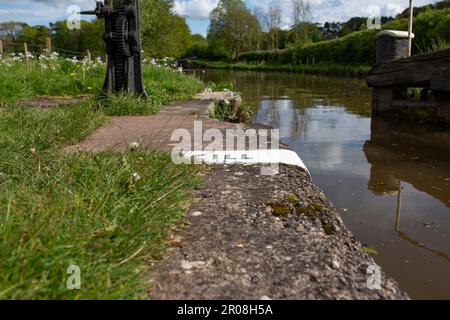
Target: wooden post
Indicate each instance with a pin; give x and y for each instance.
(25, 49)
(1, 48)
(88, 55)
(410, 28)
(48, 45)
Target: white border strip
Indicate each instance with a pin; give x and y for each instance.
(249, 157)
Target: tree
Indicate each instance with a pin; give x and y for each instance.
(352, 25)
(331, 30)
(163, 32)
(273, 22)
(233, 29)
(301, 13)
(89, 37)
(198, 48)
(34, 36)
(306, 31)
(258, 12)
(11, 29)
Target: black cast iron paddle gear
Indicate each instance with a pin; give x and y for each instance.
(123, 45)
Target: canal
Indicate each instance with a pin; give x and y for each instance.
(390, 181)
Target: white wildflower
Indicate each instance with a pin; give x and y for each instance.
(134, 146)
(136, 177)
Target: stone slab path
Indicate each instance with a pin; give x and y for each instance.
(152, 132)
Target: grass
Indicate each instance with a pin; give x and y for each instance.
(65, 78)
(21, 80)
(224, 85)
(107, 213)
(322, 69)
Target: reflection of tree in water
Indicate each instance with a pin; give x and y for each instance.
(394, 157)
(351, 93)
(302, 120)
(419, 156)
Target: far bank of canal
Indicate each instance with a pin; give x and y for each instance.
(391, 181)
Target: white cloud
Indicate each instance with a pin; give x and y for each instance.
(340, 10)
(63, 3)
(195, 9)
(42, 11)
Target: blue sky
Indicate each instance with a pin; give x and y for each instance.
(197, 11)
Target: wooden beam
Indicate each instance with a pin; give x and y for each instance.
(416, 70)
(440, 80)
(413, 104)
(48, 45)
(25, 51)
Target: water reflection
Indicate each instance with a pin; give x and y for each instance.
(417, 155)
(391, 180)
(398, 156)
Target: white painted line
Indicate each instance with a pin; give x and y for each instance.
(248, 157)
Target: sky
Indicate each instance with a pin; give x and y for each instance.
(38, 12)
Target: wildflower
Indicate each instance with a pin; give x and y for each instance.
(136, 177)
(33, 151)
(134, 146)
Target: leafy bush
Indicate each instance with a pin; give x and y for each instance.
(357, 48)
(431, 29)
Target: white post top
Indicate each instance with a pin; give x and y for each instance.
(395, 34)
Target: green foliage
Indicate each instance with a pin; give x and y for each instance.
(89, 37)
(80, 209)
(439, 5)
(108, 213)
(233, 28)
(163, 87)
(34, 36)
(320, 68)
(124, 104)
(164, 34)
(10, 30)
(198, 48)
(304, 33)
(357, 48)
(22, 80)
(431, 28)
(221, 86)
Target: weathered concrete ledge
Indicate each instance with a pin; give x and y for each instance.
(250, 236)
(265, 237)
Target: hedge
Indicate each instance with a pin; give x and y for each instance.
(357, 48)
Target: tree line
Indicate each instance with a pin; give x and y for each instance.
(235, 29)
(164, 33)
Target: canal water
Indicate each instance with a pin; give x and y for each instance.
(390, 181)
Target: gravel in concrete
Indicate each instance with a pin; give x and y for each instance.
(259, 237)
